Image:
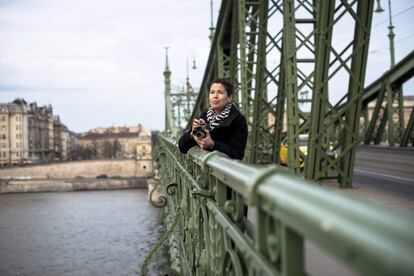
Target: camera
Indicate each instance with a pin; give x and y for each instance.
(200, 131)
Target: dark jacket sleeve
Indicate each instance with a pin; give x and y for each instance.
(186, 142)
(236, 146)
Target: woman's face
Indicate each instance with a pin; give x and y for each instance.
(218, 97)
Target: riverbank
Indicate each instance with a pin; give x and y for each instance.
(66, 185)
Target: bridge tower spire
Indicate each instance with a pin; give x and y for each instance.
(211, 36)
(169, 123)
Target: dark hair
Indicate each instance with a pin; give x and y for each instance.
(226, 82)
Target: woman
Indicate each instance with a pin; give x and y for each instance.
(222, 127)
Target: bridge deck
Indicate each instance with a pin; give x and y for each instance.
(384, 176)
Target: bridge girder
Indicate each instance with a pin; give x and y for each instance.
(275, 50)
(387, 93)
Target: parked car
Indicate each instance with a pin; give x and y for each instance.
(303, 147)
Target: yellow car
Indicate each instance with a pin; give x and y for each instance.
(303, 147)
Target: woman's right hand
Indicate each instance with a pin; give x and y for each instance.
(196, 123)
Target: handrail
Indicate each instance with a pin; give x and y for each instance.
(212, 191)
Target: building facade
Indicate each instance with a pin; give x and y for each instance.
(28, 133)
(116, 143)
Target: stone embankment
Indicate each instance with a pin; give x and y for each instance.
(75, 176)
(66, 185)
(86, 169)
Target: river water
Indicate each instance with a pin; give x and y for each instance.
(79, 233)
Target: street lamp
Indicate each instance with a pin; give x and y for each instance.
(189, 89)
(192, 56)
(391, 34)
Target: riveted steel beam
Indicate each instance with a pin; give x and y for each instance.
(320, 100)
(350, 137)
(408, 132)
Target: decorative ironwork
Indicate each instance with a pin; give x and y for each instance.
(172, 189)
(210, 233)
(157, 246)
(161, 201)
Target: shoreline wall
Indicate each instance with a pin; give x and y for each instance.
(67, 185)
(81, 169)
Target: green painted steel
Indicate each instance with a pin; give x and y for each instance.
(209, 193)
(388, 96)
(318, 138)
(291, 84)
(409, 131)
(268, 49)
(358, 59)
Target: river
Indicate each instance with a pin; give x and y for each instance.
(78, 233)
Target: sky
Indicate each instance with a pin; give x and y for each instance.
(99, 63)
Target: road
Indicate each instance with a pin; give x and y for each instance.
(384, 176)
(389, 170)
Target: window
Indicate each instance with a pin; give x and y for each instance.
(17, 154)
(3, 127)
(3, 118)
(3, 136)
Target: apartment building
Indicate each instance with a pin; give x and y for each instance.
(30, 134)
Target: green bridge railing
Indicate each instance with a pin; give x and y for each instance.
(208, 199)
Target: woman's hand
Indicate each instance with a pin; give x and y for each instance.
(206, 142)
(196, 123)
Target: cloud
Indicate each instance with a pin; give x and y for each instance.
(100, 62)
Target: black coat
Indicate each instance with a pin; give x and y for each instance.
(230, 137)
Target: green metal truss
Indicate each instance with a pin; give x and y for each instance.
(387, 93)
(276, 50)
(325, 118)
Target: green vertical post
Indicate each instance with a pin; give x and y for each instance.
(356, 87)
(390, 114)
(320, 98)
(260, 97)
(400, 111)
(373, 124)
(408, 131)
(241, 15)
(292, 253)
(290, 85)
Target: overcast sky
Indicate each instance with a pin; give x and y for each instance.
(100, 62)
